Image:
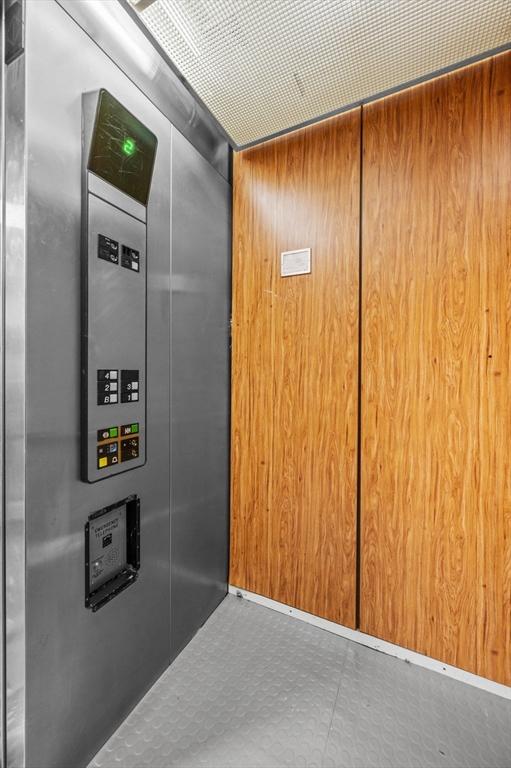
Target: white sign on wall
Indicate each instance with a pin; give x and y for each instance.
(295, 262)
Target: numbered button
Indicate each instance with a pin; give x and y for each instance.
(107, 374)
(129, 397)
(108, 386)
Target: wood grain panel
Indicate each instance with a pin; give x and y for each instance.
(294, 370)
(436, 420)
(494, 509)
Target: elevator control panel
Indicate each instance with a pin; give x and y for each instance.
(118, 159)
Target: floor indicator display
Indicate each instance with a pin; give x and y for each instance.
(118, 160)
(112, 551)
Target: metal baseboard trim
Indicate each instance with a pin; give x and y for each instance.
(383, 646)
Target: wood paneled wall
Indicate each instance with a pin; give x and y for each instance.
(436, 365)
(294, 369)
(435, 511)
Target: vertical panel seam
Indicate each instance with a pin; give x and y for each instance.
(358, 531)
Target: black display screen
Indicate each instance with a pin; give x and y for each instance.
(122, 150)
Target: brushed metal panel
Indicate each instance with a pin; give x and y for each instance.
(84, 670)
(114, 196)
(14, 408)
(114, 29)
(201, 212)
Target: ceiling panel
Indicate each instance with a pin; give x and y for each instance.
(264, 66)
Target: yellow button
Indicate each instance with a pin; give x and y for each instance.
(103, 462)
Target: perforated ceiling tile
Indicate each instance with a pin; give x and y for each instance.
(262, 66)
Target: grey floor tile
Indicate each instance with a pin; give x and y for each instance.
(391, 714)
(252, 689)
(257, 689)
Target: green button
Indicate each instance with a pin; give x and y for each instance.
(134, 428)
(114, 431)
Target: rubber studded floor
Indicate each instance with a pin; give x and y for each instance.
(257, 688)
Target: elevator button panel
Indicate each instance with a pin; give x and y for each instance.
(108, 387)
(108, 455)
(114, 286)
(130, 258)
(108, 249)
(112, 450)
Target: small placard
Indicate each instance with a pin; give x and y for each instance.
(295, 262)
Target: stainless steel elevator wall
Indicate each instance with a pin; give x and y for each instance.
(201, 248)
(82, 672)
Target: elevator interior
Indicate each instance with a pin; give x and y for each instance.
(129, 466)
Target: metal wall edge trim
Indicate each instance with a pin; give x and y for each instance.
(14, 408)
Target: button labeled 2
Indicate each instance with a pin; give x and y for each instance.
(107, 386)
